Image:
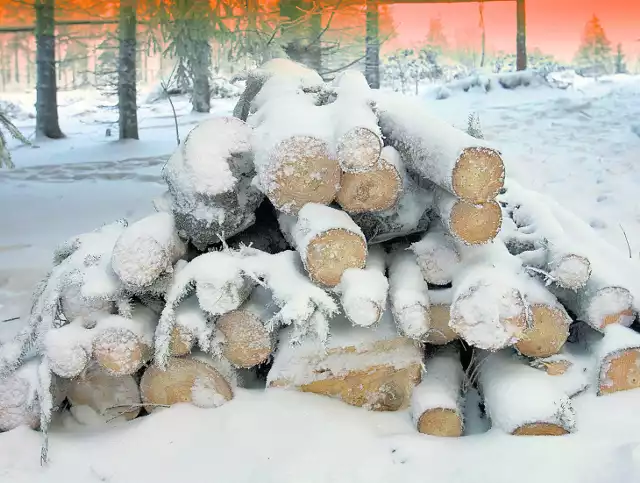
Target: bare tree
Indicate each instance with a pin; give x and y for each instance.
(127, 106)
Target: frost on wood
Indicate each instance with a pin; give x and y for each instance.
(374, 368)
(438, 152)
(408, 294)
(436, 403)
(19, 404)
(210, 182)
(357, 135)
(363, 291)
(329, 242)
(191, 325)
(69, 348)
(521, 400)
(146, 250)
(437, 255)
(377, 189)
(440, 333)
(294, 158)
(571, 369)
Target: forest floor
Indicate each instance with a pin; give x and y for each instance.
(579, 145)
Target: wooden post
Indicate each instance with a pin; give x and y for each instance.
(372, 53)
(521, 36)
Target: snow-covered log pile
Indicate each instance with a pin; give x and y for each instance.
(336, 240)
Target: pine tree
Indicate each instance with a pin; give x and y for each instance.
(621, 66)
(594, 54)
(436, 37)
(5, 154)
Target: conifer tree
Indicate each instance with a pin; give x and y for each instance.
(594, 54)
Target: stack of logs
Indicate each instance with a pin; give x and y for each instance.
(388, 245)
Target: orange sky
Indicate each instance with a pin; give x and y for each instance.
(554, 26)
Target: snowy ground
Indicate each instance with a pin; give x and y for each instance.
(577, 145)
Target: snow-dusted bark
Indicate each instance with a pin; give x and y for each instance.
(436, 151)
(357, 136)
(210, 182)
(191, 325)
(146, 250)
(329, 242)
(521, 400)
(440, 311)
(98, 397)
(368, 367)
(363, 291)
(377, 189)
(184, 380)
(411, 214)
(436, 403)
(408, 294)
(247, 335)
(437, 255)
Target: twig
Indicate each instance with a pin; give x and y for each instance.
(131, 406)
(11, 319)
(542, 272)
(626, 239)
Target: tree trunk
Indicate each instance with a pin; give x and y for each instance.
(46, 89)
(127, 107)
(372, 53)
(16, 61)
(200, 63)
(521, 36)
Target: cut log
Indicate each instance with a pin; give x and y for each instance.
(18, 398)
(437, 255)
(358, 138)
(247, 339)
(377, 189)
(571, 369)
(146, 250)
(329, 242)
(521, 400)
(436, 403)
(191, 323)
(363, 292)
(548, 332)
(210, 182)
(434, 150)
(471, 224)
(68, 349)
(108, 396)
(293, 156)
(372, 368)
(122, 345)
(184, 380)
(408, 294)
(440, 311)
(75, 306)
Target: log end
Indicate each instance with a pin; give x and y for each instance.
(71, 363)
(332, 252)
(475, 224)
(440, 422)
(119, 351)
(548, 334)
(359, 149)
(540, 429)
(554, 368)
(571, 271)
(610, 305)
(306, 173)
(181, 341)
(439, 332)
(247, 342)
(620, 372)
(375, 190)
(478, 175)
(363, 312)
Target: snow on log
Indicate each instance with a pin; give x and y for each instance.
(437, 255)
(247, 340)
(357, 135)
(436, 151)
(294, 158)
(18, 398)
(210, 182)
(377, 189)
(408, 294)
(436, 403)
(374, 368)
(411, 214)
(146, 250)
(68, 349)
(473, 224)
(184, 380)
(329, 242)
(537, 229)
(521, 400)
(363, 292)
(570, 369)
(123, 344)
(191, 323)
(97, 395)
(440, 312)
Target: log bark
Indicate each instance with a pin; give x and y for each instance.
(440, 333)
(436, 403)
(437, 255)
(372, 368)
(107, 395)
(520, 400)
(329, 242)
(184, 380)
(378, 188)
(191, 323)
(436, 151)
(363, 292)
(247, 340)
(408, 295)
